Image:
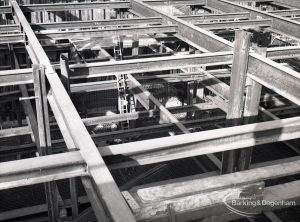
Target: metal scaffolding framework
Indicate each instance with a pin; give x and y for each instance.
(217, 74)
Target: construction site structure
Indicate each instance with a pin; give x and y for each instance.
(150, 110)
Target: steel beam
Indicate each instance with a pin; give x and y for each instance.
(274, 76)
(152, 201)
(283, 52)
(24, 130)
(131, 116)
(41, 169)
(16, 77)
(24, 76)
(11, 38)
(245, 24)
(223, 16)
(43, 208)
(291, 3)
(149, 64)
(97, 5)
(104, 33)
(176, 2)
(236, 94)
(173, 190)
(9, 28)
(289, 12)
(5, 9)
(105, 185)
(267, 64)
(206, 142)
(281, 24)
(95, 23)
(74, 6)
(185, 29)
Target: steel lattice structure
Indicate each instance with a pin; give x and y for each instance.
(79, 153)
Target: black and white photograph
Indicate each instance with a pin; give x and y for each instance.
(149, 110)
